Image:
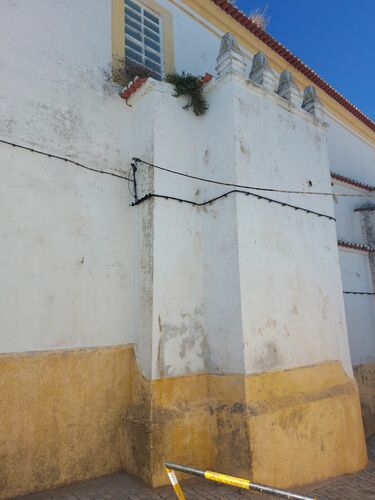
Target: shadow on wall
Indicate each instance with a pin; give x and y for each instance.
(365, 377)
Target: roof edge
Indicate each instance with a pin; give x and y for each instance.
(352, 182)
(239, 16)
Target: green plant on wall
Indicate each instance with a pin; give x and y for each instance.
(191, 86)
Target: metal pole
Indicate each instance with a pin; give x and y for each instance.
(176, 485)
(234, 481)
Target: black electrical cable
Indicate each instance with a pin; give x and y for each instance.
(241, 186)
(67, 160)
(212, 200)
(360, 293)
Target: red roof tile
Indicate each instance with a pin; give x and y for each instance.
(268, 40)
(355, 246)
(205, 79)
(352, 182)
(369, 208)
(138, 82)
(132, 88)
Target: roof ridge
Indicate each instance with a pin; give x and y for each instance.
(238, 15)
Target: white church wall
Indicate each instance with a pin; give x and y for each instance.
(352, 157)
(67, 232)
(59, 99)
(360, 316)
(292, 305)
(348, 222)
(349, 155)
(287, 258)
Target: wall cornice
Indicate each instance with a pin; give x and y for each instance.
(214, 15)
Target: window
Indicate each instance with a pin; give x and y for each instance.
(143, 38)
(142, 33)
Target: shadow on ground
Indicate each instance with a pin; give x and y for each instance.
(122, 486)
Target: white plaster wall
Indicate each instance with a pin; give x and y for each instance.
(196, 298)
(349, 155)
(55, 95)
(54, 91)
(195, 46)
(265, 291)
(360, 309)
(94, 271)
(196, 41)
(66, 253)
(352, 157)
(65, 232)
(292, 306)
(221, 266)
(196, 317)
(348, 222)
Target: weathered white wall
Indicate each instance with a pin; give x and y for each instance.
(56, 95)
(360, 309)
(348, 222)
(196, 41)
(178, 280)
(64, 233)
(349, 155)
(352, 157)
(67, 237)
(292, 307)
(265, 291)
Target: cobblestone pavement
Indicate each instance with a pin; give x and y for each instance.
(121, 486)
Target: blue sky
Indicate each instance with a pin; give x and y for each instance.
(334, 37)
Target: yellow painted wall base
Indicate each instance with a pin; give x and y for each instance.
(280, 428)
(61, 416)
(365, 376)
(73, 415)
(305, 425)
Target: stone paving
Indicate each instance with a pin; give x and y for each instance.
(121, 486)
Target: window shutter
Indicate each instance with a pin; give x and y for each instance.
(143, 42)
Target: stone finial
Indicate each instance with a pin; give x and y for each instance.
(311, 102)
(261, 72)
(228, 42)
(230, 58)
(288, 89)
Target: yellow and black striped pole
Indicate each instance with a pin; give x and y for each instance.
(230, 480)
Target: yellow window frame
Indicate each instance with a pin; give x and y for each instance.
(118, 35)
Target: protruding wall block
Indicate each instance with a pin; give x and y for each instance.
(230, 58)
(311, 102)
(261, 72)
(288, 90)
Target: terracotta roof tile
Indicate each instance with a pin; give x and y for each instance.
(132, 87)
(368, 208)
(352, 182)
(205, 79)
(355, 246)
(138, 82)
